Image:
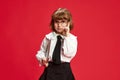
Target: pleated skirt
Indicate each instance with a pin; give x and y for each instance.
(57, 72)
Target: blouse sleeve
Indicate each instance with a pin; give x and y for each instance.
(70, 46)
(42, 52)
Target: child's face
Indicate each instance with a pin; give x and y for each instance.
(60, 25)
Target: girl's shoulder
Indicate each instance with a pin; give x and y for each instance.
(72, 36)
(50, 35)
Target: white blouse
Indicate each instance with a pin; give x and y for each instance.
(68, 50)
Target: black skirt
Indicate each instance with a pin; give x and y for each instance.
(57, 72)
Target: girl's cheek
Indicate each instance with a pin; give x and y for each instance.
(55, 25)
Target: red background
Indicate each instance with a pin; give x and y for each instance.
(23, 24)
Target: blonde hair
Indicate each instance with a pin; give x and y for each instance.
(61, 14)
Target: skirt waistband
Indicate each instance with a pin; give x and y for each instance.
(61, 62)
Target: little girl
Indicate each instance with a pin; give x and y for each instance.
(58, 48)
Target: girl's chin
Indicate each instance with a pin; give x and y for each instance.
(59, 32)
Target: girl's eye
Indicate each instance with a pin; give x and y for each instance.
(60, 22)
(56, 21)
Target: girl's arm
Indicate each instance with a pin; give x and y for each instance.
(70, 46)
(42, 52)
(70, 43)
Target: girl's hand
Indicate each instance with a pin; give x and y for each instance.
(45, 62)
(66, 30)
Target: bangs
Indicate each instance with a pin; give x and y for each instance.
(61, 16)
